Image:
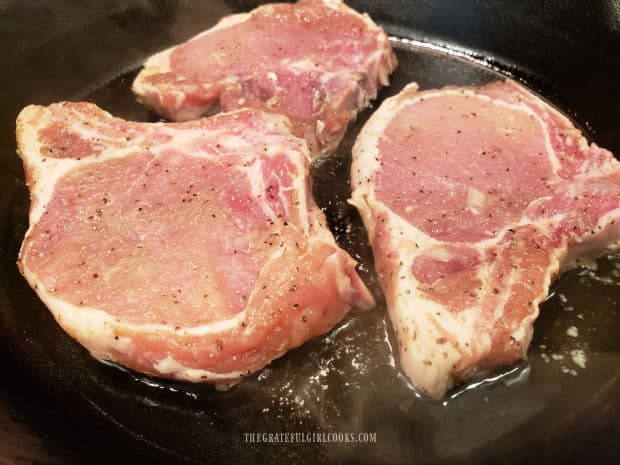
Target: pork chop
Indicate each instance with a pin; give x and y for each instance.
(316, 61)
(474, 200)
(186, 250)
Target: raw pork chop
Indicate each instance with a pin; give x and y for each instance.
(317, 61)
(191, 250)
(474, 200)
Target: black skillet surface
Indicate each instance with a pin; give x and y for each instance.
(57, 405)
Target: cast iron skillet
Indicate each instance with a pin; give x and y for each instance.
(58, 405)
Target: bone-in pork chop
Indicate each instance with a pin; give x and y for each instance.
(184, 250)
(316, 61)
(474, 200)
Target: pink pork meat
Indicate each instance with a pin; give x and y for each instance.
(475, 199)
(186, 250)
(316, 61)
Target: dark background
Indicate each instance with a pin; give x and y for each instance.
(568, 50)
